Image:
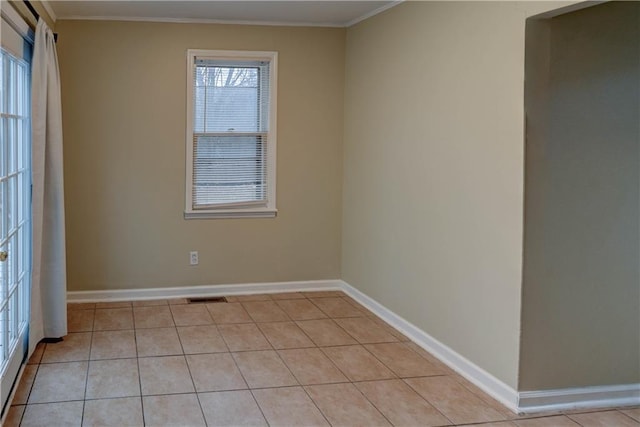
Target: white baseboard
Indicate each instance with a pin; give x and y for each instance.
(520, 402)
(201, 291)
(472, 372)
(526, 402)
(579, 398)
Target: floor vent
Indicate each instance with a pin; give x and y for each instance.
(206, 300)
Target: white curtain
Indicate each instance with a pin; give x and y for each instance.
(49, 275)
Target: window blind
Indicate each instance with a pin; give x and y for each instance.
(230, 133)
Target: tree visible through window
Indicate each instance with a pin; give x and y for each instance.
(231, 133)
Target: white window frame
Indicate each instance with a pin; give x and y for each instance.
(15, 31)
(263, 211)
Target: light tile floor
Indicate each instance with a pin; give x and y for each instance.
(297, 359)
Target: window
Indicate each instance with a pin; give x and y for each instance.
(231, 134)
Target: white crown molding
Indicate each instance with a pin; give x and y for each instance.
(200, 21)
(222, 21)
(373, 13)
(49, 9)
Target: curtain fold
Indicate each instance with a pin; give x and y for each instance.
(49, 276)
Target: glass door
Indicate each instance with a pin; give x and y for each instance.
(15, 213)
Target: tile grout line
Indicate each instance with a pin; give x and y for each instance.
(345, 331)
(353, 383)
(135, 342)
(373, 404)
(288, 318)
(485, 398)
(298, 385)
(432, 405)
(319, 308)
(627, 415)
(359, 309)
(422, 376)
(276, 350)
(350, 381)
(452, 375)
(26, 403)
(577, 422)
(184, 355)
(291, 316)
(601, 411)
(253, 396)
(235, 362)
(333, 363)
(402, 379)
(315, 404)
(297, 326)
(86, 381)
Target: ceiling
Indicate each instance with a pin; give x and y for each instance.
(316, 13)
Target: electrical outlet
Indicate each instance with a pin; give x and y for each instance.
(193, 257)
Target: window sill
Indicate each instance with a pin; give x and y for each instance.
(232, 213)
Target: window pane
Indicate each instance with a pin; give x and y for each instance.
(3, 209)
(12, 90)
(10, 203)
(226, 99)
(12, 144)
(229, 169)
(14, 198)
(3, 84)
(199, 94)
(4, 140)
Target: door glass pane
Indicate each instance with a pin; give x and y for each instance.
(19, 200)
(21, 101)
(11, 146)
(4, 140)
(10, 203)
(4, 289)
(4, 307)
(2, 85)
(12, 262)
(20, 137)
(13, 314)
(3, 210)
(4, 336)
(15, 224)
(20, 254)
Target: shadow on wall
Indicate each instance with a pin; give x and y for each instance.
(581, 285)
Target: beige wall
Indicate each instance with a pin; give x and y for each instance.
(431, 194)
(433, 171)
(123, 97)
(581, 290)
